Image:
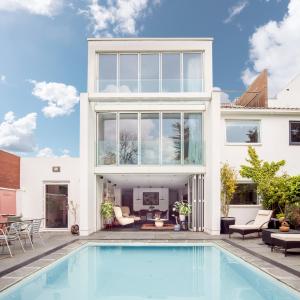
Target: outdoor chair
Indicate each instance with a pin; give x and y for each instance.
(10, 234)
(261, 221)
(34, 230)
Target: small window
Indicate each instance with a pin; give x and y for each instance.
(242, 131)
(245, 194)
(294, 132)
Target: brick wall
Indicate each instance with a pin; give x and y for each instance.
(9, 170)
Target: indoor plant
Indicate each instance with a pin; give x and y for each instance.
(228, 187)
(107, 212)
(183, 209)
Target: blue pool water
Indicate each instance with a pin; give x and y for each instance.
(150, 272)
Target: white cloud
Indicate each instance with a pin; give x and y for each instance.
(236, 10)
(2, 78)
(275, 46)
(117, 16)
(37, 7)
(48, 152)
(18, 134)
(60, 98)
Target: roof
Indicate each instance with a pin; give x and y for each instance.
(154, 39)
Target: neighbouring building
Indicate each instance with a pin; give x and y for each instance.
(153, 131)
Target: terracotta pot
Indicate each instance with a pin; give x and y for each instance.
(75, 229)
(284, 228)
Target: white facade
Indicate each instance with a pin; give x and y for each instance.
(35, 174)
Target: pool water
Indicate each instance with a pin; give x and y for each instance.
(150, 272)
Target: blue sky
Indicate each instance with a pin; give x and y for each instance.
(43, 55)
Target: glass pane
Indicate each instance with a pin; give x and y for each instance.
(171, 72)
(193, 138)
(245, 193)
(128, 73)
(192, 72)
(107, 73)
(295, 132)
(150, 138)
(128, 139)
(149, 73)
(171, 140)
(56, 206)
(245, 131)
(107, 138)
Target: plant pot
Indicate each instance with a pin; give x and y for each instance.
(225, 223)
(75, 229)
(284, 228)
(182, 218)
(177, 227)
(159, 223)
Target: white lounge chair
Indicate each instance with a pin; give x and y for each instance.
(261, 221)
(285, 241)
(122, 219)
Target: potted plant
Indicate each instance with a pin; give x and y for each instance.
(73, 207)
(107, 212)
(228, 187)
(183, 209)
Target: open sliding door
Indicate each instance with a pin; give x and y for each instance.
(196, 200)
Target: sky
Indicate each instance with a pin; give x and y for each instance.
(43, 55)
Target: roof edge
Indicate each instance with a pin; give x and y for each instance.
(153, 39)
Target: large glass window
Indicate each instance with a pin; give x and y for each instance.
(149, 73)
(107, 138)
(192, 72)
(128, 145)
(245, 194)
(242, 131)
(294, 132)
(192, 138)
(128, 73)
(150, 138)
(108, 73)
(170, 72)
(171, 138)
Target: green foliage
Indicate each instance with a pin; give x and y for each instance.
(228, 187)
(183, 208)
(278, 193)
(107, 210)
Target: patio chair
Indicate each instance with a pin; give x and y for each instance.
(120, 218)
(24, 229)
(285, 241)
(10, 234)
(35, 230)
(261, 221)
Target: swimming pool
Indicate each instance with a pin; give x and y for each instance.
(139, 272)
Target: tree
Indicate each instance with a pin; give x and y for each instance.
(228, 187)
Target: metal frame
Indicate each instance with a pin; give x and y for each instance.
(290, 135)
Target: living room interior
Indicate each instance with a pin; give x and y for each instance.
(148, 199)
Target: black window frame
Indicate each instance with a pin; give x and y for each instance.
(290, 135)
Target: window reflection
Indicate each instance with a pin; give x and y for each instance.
(149, 73)
(128, 147)
(192, 72)
(171, 72)
(150, 138)
(171, 139)
(108, 73)
(107, 138)
(192, 138)
(242, 131)
(128, 73)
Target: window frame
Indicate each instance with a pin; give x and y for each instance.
(258, 199)
(243, 143)
(291, 143)
(160, 79)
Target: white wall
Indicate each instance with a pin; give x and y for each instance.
(274, 144)
(138, 194)
(243, 213)
(35, 172)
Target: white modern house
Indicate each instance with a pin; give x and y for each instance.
(154, 131)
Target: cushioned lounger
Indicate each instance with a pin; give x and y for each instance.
(285, 241)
